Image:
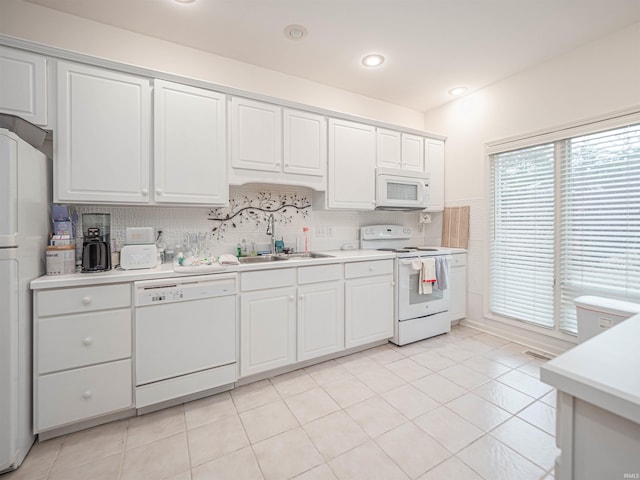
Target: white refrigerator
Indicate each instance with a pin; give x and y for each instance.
(25, 176)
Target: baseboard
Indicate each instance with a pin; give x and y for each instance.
(534, 340)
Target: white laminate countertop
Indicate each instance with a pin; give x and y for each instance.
(166, 270)
(604, 370)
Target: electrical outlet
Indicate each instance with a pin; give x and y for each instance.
(329, 231)
(426, 218)
(321, 232)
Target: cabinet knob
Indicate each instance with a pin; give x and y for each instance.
(292, 298)
(86, 300)
(158, 191)
(371, 269)
(87, 341)
(87, 394)
(301, 297)
(144, 192)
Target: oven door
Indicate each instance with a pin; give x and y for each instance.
(412, 304)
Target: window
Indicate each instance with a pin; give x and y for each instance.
(565, 222)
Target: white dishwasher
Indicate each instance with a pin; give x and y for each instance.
(185, 336)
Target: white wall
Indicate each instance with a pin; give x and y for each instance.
(597, 78)
(42, 25)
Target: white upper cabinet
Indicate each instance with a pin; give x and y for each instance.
(305, 143)
(271, 144)
(388, 148)
(23, 85)
(399, 150)
(256, 135)
(434, 165)
(189, 145)
(102, 139)
(412, 152)
(352, 163)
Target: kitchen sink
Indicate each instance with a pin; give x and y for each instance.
(279, 258)
(309, 255)
(263, 259)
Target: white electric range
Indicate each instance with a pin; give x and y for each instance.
(416, 316)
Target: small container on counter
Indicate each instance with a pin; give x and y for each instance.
(61, 259)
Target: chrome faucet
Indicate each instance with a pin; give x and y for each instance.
(271, 230)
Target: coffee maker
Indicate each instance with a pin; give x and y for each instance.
(96, 243)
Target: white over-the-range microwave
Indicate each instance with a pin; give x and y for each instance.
(401, 190)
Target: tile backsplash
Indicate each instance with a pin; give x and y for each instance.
(327, 229)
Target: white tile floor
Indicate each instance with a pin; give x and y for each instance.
(466, 405)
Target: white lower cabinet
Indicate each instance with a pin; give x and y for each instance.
(458, 287)
(82, 354)
(267, 330)
(82, 393)
(320, 311)
(368, 302)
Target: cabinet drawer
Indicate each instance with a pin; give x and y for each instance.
(270, 278)
(83, 393)
(458, 260)
(84, 339)
(85, 299)
(319, 273)
(366, 269)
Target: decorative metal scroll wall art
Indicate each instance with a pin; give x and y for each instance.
(256, 208)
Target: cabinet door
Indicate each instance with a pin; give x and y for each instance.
(369, 310)
(434, 165)
(458, 287)
(256, 135)
(412, 152)
(102, 142)
(388, 149)
(190, 164)
(23, 85)
(267, 330)
(305, 143)
(352, 162)
(320, 319)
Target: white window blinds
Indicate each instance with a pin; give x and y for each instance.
(569, 209)
(599, 218)
(522, 243)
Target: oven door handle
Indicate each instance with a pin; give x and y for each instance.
(407, 262)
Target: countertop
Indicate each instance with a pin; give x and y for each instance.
(604, 370)
(166, 270)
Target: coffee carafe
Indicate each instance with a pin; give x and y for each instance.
(96, 243)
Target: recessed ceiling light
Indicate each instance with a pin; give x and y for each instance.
(185, 1)
(295, 32)
(373, 60)
(457, 91)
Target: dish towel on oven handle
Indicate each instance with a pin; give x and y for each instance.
(442, 272)
(427, 276)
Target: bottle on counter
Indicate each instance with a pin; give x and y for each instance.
(245, 248)
(238, 250)
(253, 251)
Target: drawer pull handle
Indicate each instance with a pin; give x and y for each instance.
(87, 394)
(87, 341)
(86, 300)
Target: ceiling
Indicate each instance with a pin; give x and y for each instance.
(430, 45)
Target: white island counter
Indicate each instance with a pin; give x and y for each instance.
(598, 412)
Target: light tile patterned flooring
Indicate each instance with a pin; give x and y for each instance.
(466, 405)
